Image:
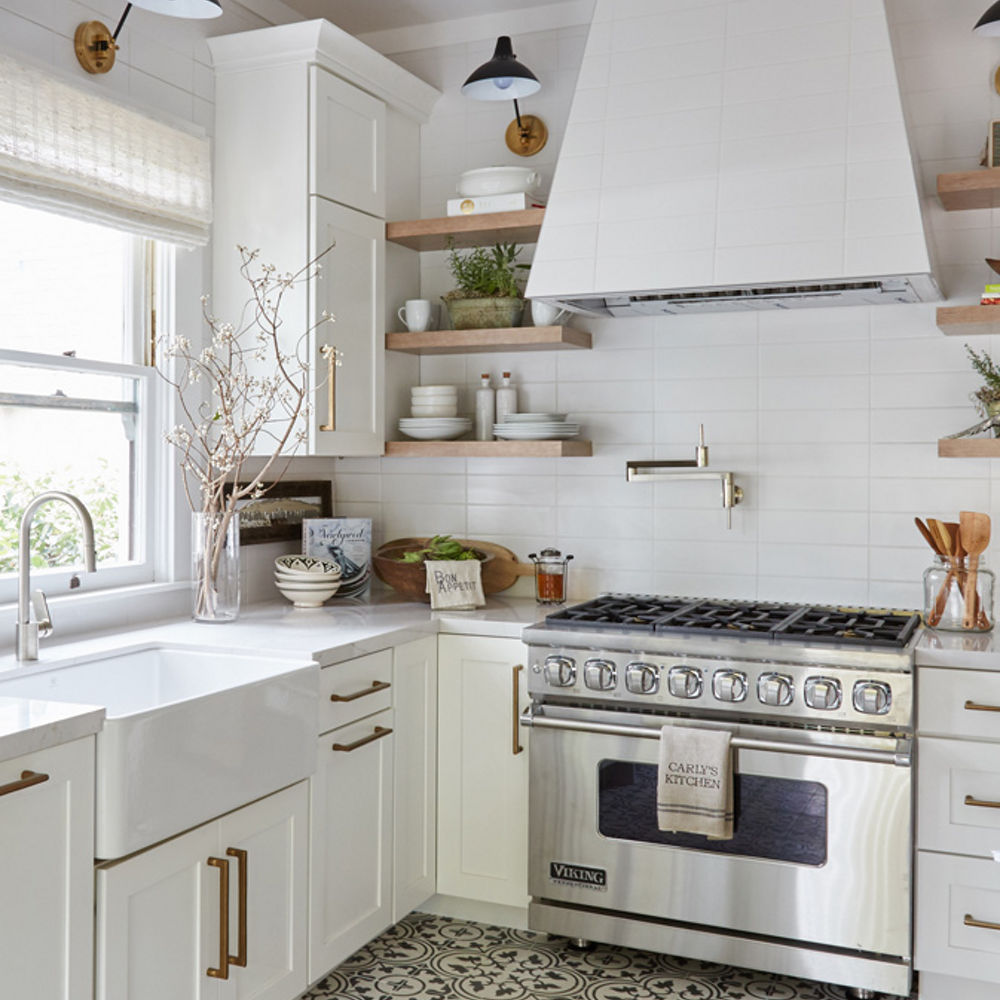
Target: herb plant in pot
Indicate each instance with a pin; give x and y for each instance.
(987, 396)
(488, 293)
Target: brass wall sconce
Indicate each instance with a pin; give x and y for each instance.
(96, 46)
(503, 78)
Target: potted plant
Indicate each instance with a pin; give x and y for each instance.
(488, 293)
(987, 396)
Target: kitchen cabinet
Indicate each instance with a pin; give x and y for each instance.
(218, 913)
(47, 847)
(482, 770)
(350, 812)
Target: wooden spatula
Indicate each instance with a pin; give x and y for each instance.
(974, 531)
(945, 539)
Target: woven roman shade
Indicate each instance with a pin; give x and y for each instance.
(79, 153)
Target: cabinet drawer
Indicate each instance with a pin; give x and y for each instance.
(950, 891)
(354, 689)
(953, 776)
(963, 703)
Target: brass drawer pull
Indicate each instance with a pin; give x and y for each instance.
(27, 779)
(378, 733)
(240, 958)
(222, 971)
(970, 801)
(516, 747)
(972, 706)
(971, 921)
(363, 693)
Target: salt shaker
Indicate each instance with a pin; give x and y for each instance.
(485, 409)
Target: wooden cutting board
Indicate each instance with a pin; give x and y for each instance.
(500, 573)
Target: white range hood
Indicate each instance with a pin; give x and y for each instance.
(734, 154)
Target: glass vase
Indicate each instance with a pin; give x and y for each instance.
(215, 567)
(944, 596)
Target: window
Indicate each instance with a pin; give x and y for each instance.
(74, 396)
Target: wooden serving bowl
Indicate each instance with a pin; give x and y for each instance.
(409, 579)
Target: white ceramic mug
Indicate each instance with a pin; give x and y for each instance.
(543, 314)
(415, 315)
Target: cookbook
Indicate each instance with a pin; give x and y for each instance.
(346, 541)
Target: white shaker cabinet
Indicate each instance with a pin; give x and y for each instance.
(46, 890)
(218, 913)
(482, 770)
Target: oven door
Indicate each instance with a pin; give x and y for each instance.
(820, 854)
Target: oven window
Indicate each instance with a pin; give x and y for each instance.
(779, 819)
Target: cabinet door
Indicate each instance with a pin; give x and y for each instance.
(350, 855)
(350, 286)
(46, 899)
(347, 144)
(482, 770)
(267, 844)
(415, 778)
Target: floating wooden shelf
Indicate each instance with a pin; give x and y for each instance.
(970, 189)
(488, 449)
(968, 321)
(983, 447)
(468, 230)
(515, 338)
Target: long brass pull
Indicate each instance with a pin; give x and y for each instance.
(240, 958)
(376, 734)
(222, 972)
(970, 801)
(516, 747)
(971, 706)
(970, 921)
(330, 353)
(363, 693)
(27, 779)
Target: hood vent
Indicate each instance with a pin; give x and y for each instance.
(734, 155)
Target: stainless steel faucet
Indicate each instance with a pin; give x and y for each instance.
(26, 631)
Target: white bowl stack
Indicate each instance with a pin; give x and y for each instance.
(435, 414)
(305, 581)
(434, 401)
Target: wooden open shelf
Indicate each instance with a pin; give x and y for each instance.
(468, 230)
(978, 447)
(514, 338)
(488, 449)
(968, 321)
(970, 189)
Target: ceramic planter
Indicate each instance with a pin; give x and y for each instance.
(484, 314)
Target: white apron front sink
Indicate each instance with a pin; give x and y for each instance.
(189, 734)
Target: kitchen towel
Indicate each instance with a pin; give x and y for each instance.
(694, 787)
(455, 583)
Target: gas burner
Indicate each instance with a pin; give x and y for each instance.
(729, 616)
(872, 627)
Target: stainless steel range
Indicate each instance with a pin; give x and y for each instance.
(815, 881)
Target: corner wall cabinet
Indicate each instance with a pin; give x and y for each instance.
(47, 894)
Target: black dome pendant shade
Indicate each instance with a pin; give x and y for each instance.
(503, 78)
(989, 23)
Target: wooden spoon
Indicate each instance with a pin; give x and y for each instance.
(945, 539)
(974, 529)
(928, 537)
(982, 621)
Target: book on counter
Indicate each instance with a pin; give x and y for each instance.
(493, 203)
(346, 541)
(991, 296)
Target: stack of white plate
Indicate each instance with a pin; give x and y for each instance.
(305, 581)
(535, 427)
(435, 428)
(434, 401)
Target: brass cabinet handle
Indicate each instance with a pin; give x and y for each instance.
(27, 779)
(378, 733)
(971, 706)
(363, 693)
(971, 921)
(516, 747)
(970, 801)
(222, 972)
(240, 958)
(330, 354)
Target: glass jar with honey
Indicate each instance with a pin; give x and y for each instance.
(551, 576)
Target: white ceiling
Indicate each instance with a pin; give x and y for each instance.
(359, 17)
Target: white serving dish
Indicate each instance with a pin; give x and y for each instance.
(434, 410)
(434, 390)
(498, 180)
(527, 433)
(307, 595)
(308, 566)
(435, 430)
(534, 418)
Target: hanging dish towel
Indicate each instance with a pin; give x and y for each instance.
(694, 788)
(455, 583)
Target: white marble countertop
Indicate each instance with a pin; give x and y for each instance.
(27, 725)
(968, 650)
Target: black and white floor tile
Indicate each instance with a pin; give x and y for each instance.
(427, 957)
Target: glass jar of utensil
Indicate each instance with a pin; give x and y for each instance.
(551, 576)
(947, 585)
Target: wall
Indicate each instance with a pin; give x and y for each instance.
(829, 417)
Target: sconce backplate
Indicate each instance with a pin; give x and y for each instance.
(528, 138)
(95, 48)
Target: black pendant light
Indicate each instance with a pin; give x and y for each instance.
(989, 23)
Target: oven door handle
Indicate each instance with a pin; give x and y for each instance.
(900, 757)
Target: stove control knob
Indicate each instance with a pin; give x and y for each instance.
(729, 685)
(822, 693)
(775, 689)
(642, 678)
(600, 675)
(872, 697)
(560, 671)
(684, 682)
